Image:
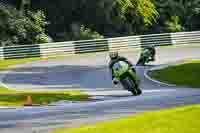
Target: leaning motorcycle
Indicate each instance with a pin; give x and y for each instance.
(127, 77)
(145, 57)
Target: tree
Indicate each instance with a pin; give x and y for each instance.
(144, 8)
(108, 17)
(187, 10)
(86, 34)
(174, 24)
(139, 13)
(20, 4)
(18, 29)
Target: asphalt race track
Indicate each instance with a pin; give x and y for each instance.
(90, 74)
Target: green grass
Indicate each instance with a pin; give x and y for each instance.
(6, 64)
(17, 98)
(178, 120)
(4, 90)
(10, 97)
(179, 45)
(186, 74)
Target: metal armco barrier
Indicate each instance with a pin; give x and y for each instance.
(99, 45)
(157, 39)
(185, 37)
(55, 49)
(22, 51)
(1, 54)
(123, 43)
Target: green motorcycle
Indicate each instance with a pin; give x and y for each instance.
(127, 77)
(146, 56)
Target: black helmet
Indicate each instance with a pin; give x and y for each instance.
(113, 55)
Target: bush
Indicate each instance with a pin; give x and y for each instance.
(86, 34)
(17, 28)
(43, 38)
(174, 25)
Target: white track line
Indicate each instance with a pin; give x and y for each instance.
(123, 92)
(156, 81)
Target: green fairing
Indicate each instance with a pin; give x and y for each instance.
(120, 68)
(135, 76)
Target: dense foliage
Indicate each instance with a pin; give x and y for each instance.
(89, 19)
(107, 17)
(185, 13)
(18, 29)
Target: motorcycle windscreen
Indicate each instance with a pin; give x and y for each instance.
(120, 68)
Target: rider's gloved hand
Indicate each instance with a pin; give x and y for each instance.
(115, 81)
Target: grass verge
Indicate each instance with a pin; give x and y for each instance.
(6, 64)
(18, 98)
(179, 45)
(10, 97)
(186, 74)
(178, 120)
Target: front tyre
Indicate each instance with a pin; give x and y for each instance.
(134, 92)
(131, 86)
(135, 89)
(139, 91)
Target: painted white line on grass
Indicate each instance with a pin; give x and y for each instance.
(156, 81)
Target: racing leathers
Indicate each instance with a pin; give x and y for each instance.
(119, 58)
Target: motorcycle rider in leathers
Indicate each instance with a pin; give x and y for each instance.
(114, 57)
(152, 52)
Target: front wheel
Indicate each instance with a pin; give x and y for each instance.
(139, 91)
(131, 86)
(136, 91)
